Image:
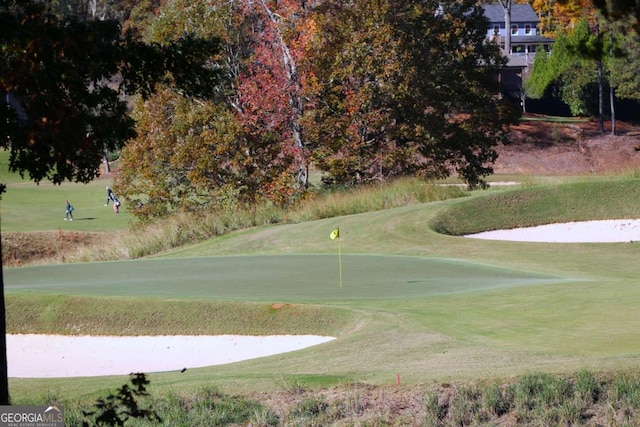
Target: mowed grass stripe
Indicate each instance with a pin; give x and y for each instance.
(281, 277)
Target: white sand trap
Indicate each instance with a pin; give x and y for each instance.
(45, 356)
(605, 231)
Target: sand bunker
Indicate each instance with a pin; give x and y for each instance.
(43, 356)
(605, 231)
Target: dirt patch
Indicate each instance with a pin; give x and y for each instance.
(579, 148)
(20, 249)
(279, 305)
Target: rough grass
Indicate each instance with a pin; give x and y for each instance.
(71, 315)
(534, 399)
(581, 201)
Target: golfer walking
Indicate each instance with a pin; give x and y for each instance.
(69, 211)
(110, 196)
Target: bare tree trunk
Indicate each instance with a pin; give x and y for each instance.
(611, 91)
(107, 166)
(600, 86)
(295, 99)
(600, 97)
(506, 5)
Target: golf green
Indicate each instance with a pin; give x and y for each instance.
(307, 277)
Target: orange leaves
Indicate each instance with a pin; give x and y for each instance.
(557, 17)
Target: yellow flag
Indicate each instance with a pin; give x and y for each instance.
(335, 234)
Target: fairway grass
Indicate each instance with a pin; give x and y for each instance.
(428, 307)
(32, 207)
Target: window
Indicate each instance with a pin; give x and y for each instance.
(514, 30)
(496, 30)
(527, 30)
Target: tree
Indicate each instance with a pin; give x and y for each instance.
(404, 88)
(573, 75)
(194, 155)
(90, 9)
(544, 9)
(63, 80)
(68, 77)
(281, 20)
(622, 49)
(624, 75)
(356, 71)
(254, 145)
(567, 13)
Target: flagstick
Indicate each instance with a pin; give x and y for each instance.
(340, 262)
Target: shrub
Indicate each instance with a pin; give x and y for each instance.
(465, 406)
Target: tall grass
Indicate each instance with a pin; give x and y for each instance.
(538, 399)
(204, 407)
(530, 400)
(400, 192)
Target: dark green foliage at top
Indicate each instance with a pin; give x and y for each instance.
(620, 10)
(64, 82)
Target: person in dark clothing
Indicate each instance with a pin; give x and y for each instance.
(110, 196)
(69, 211)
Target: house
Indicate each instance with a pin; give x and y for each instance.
(525, 41)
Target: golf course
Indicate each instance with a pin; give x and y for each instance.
(409, 300)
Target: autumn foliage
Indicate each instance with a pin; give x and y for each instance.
(363, 91)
